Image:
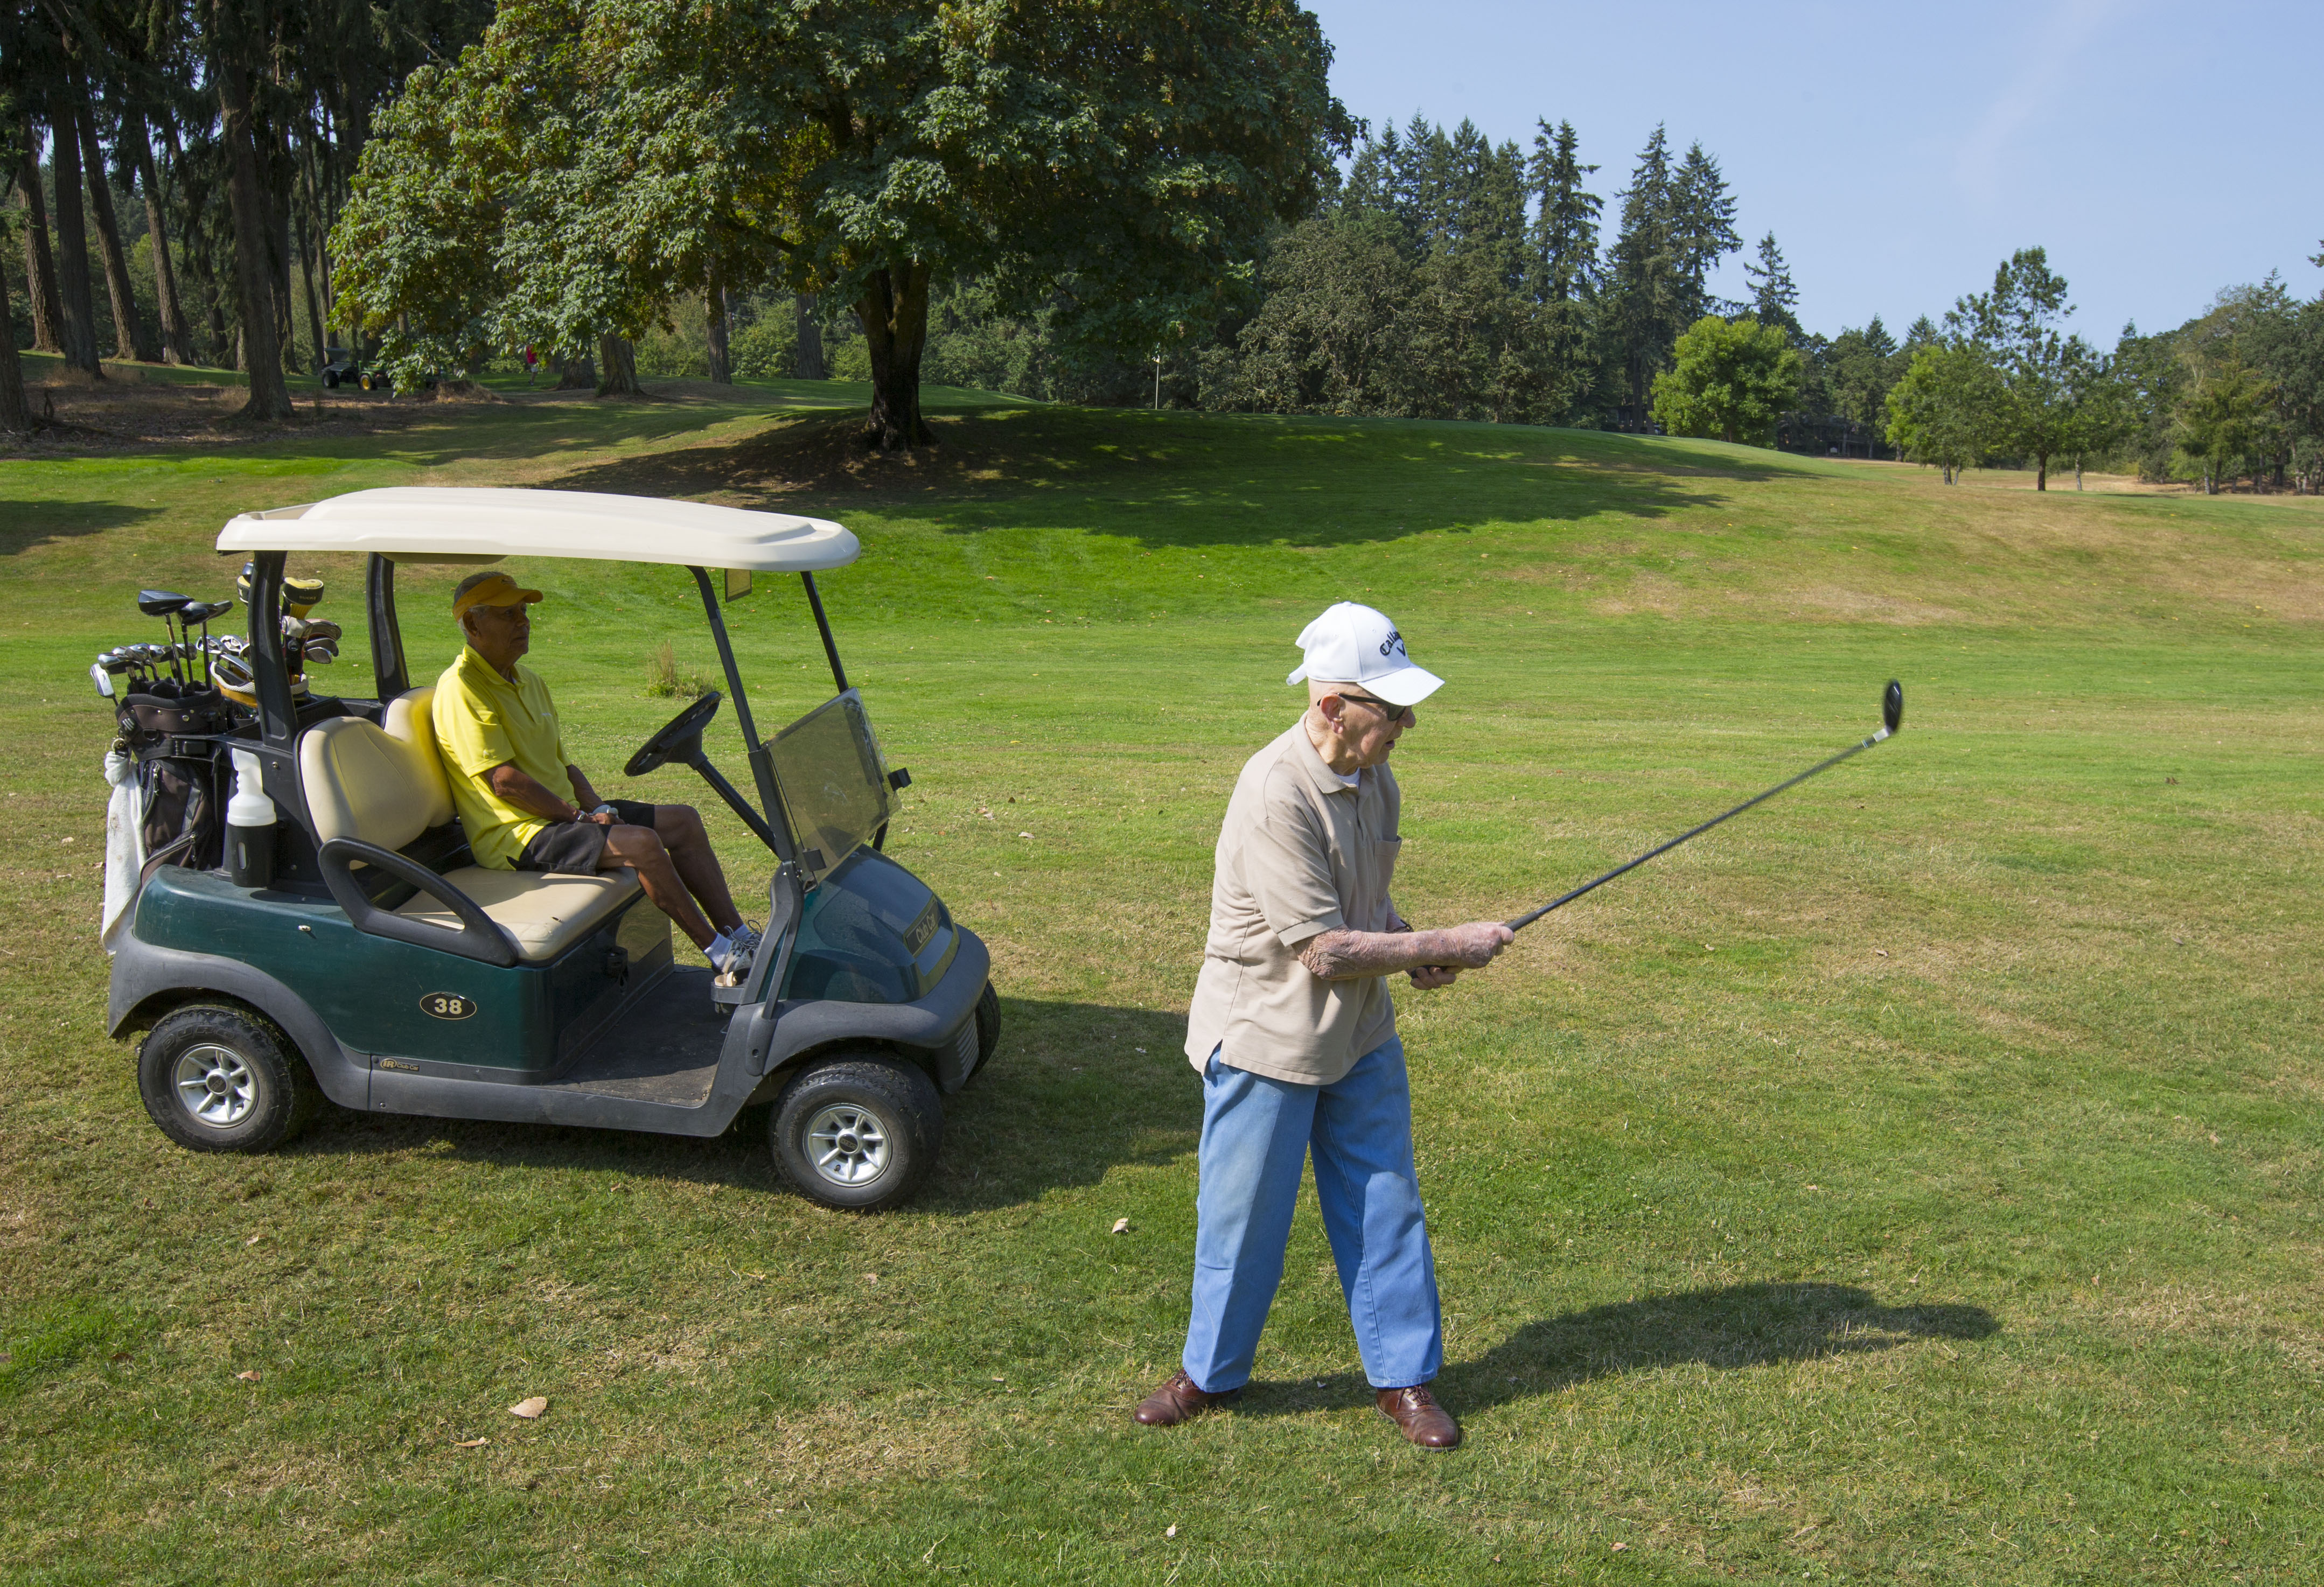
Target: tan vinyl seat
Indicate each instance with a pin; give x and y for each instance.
(387, 787)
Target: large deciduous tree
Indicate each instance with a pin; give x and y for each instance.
(591, 163)
(1729, 378)
(1943, 410)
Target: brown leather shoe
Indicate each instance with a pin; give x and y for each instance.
(1420, 1418)
(1178, 1400)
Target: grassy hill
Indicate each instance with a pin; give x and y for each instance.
(1917, 1178)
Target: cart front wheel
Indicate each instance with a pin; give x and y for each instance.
(988, 1027)
(220, 1078)
(858, 1132)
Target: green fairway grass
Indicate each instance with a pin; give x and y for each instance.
(1916, 1179)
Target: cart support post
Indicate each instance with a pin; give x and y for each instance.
(762, 761)
(389, 673)
(823, 625)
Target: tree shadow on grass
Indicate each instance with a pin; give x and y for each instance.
(1066, 1097)
(1180, 479)
(26, 524)
(1739, 1325)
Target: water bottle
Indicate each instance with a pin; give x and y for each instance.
(249, 826)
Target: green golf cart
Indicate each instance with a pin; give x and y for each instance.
(349, 948)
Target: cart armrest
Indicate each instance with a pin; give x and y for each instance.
(480, 937)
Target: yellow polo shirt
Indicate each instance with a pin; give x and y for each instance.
(482, 721)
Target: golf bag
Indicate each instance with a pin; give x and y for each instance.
(178, 771)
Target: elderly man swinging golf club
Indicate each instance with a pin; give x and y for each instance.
(497, 731)
(1295, 1038)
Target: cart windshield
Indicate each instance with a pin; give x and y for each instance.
(835, 782)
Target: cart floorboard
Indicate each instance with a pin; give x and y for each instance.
(664, 1047)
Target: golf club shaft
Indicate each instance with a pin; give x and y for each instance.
(1522, 921)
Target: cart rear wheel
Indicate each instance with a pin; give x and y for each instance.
(858, 1132)
(220, 1078)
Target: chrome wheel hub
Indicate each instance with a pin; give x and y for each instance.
(216, 1085)
(847, 1145)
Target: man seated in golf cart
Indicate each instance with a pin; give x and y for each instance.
(497, 731)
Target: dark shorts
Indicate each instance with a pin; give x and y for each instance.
(576, 847)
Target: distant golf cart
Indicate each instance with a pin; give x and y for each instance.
(348, 942)
(340, 366)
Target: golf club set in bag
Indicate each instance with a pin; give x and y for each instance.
(180, 703)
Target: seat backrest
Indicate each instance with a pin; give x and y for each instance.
(411, 717)
(373, 785)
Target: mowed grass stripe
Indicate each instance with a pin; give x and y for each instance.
(1989, 1259)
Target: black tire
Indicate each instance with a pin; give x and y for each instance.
(881, 1123)
(260, 1092)
(330, 379)
(988, 1027)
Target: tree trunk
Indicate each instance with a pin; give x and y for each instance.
(2041, 471)
(15, 418)
(73, 295)
(617, 368)
(131, 339)
(314, 310)
(714, 309)
(270, 399)
(894, 313)
(318, 233)
(39, 262)
(177, 340)
(275, 192)
(809, 357)
(577, 375)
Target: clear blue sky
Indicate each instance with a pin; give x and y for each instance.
(2159, 150)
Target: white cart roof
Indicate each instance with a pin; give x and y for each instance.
(420, 522)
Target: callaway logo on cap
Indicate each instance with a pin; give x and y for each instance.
(1355, 645)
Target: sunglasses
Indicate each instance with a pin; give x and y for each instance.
(1393, 712)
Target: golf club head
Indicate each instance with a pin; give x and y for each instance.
(1892, 705)
(204, 611)
(162, 603)
(102, 678)
(322, 652)
(114, 663)
(300, 593)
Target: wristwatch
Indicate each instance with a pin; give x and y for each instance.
(605, 809)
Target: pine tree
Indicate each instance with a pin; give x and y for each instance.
(1565, 223)
(1565, 266)
(1702, 226)
(1645, 279)
(1774, 300)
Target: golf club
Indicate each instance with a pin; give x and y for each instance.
(1892, 717)
(202, 612)
(165, 603)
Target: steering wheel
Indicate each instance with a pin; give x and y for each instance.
(679, 740)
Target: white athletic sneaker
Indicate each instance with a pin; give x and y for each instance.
(732, 961)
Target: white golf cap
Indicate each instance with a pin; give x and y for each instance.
(1355, 645)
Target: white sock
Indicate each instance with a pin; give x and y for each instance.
(720, 946)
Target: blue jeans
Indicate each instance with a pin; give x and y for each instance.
(1257, 1133)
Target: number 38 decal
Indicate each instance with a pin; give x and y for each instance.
(447, 1005)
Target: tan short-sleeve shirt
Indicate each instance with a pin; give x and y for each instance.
(1301, 853)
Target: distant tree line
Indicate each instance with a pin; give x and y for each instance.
(2235, 393)
(1444, 276)
(177, 167)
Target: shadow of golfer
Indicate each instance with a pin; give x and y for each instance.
(1741, 1325)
